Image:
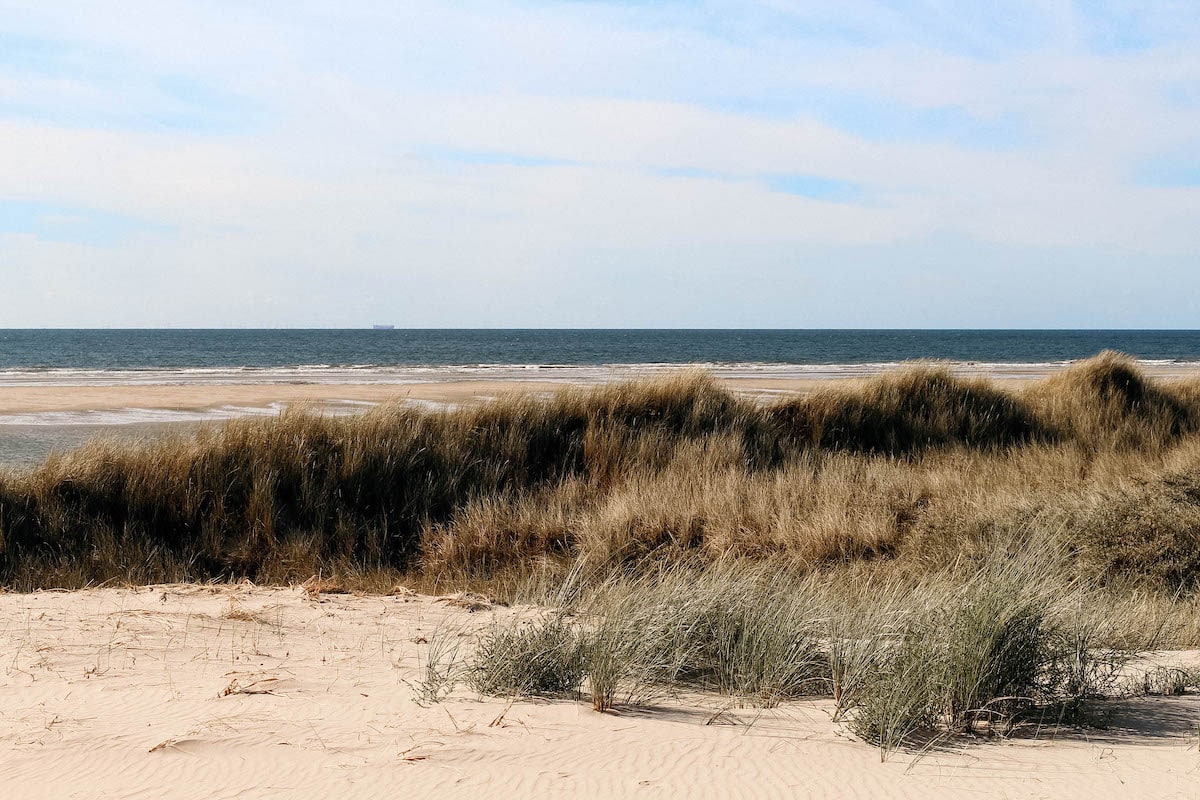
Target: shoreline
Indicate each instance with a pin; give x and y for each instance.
(251, 395)
(251, 398)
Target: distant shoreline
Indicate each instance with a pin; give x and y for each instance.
(185, 391)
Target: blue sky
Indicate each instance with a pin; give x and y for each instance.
(538, 163)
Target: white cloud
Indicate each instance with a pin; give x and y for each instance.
(354, 167)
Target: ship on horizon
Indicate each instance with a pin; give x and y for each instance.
(383, 327)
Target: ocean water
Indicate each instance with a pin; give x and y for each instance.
(212, 357)
(158, 355)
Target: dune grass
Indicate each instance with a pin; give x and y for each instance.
(914, 468)
(545, 656)
(907, 662)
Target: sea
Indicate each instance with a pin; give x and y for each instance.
(66, 358)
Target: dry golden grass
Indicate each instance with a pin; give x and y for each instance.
(907, 473)
(315, 586)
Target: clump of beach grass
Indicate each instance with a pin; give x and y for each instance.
(907, 662)
(544, 656)
(736, 630)
(441, 667)
(959, 655)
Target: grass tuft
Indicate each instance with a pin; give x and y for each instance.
(540, 657)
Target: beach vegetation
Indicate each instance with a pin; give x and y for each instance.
(940, 555)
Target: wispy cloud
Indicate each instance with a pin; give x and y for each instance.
(609, 163)
(71, 225)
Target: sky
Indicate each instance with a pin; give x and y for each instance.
(174, 163)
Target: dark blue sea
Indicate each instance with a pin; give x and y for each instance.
(364, 349)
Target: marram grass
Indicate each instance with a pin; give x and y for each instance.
(916, 468)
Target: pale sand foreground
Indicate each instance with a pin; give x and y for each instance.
(220, 692)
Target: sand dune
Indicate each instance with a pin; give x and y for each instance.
(219, 692)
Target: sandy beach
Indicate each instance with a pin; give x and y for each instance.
(38, 399)
(44, 412)
(184, 396)
(31, 399)
(241, 691)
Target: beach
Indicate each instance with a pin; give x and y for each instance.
(600, 400)
(183, 392)
(47, 411)
(930, 581)
(198, 691)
